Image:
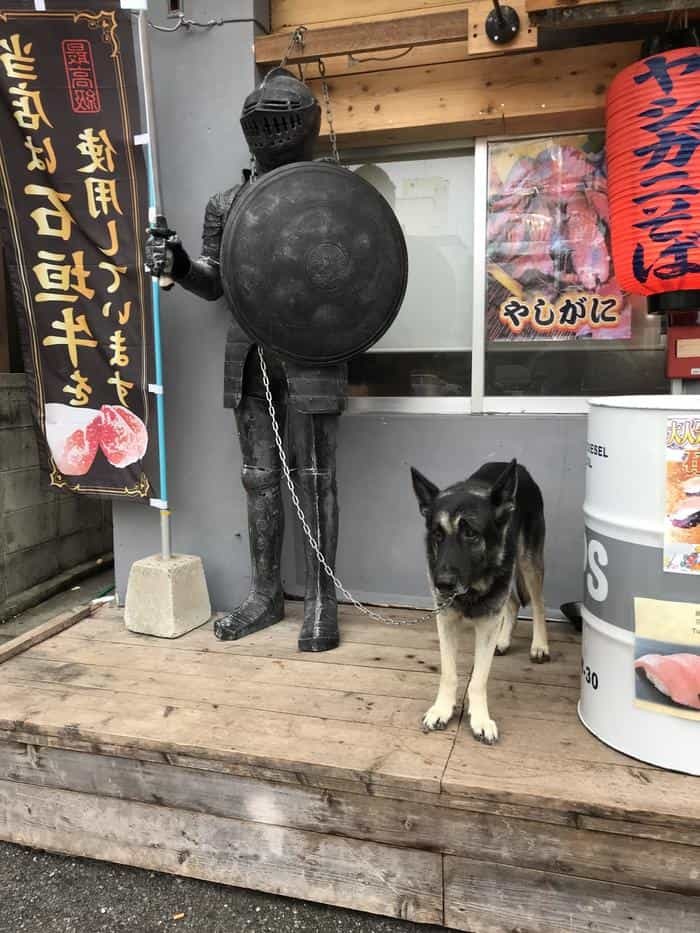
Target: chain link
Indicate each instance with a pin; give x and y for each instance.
(377, 616)
(329, 113)
(296, 39)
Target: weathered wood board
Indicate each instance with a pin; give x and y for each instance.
(308, 775)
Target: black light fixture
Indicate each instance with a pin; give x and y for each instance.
(502, 24)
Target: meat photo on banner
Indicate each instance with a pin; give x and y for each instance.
(73, 189)
(682, 525)
(549, 271)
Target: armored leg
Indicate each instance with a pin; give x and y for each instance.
(264, 604)
(315, 443)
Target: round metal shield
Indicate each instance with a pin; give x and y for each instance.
(313, 262)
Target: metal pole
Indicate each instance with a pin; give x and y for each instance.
(155, 218)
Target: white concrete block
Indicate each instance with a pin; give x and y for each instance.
(166, 597)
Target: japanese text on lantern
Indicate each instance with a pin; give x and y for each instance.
(65, 282)
(668, 247)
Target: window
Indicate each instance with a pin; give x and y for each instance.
(511, 302)
(427, 350)
(548, 264)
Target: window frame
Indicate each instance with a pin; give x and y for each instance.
(478, 402)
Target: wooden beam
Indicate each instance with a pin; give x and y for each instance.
(592, 13)
(401, 32)
(523, 93)
(288, 14)
(36, 635)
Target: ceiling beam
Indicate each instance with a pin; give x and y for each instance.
(513, 94)
(357, 38)
(564, 14)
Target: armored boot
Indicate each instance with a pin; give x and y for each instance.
(264, 604)
(319, 499)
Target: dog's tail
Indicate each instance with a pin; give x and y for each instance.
(521, 589)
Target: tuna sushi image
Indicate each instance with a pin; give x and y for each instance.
(677, 676)
(687, 515)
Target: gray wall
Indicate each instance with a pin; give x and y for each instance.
(202, 151)
(201, 77)
(44, 532)
(381, 542)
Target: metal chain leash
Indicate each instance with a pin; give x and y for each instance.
(377, 616)
(329, 113)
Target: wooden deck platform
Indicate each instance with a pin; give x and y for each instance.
(308, 775)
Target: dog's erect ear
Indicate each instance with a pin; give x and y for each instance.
(425, 491)
(504, 490)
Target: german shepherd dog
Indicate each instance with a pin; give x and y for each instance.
(485, 542)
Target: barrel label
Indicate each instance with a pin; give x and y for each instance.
(617, 571)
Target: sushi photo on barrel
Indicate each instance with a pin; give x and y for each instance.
(675, 676)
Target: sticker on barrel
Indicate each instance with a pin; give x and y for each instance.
(667, 657)
(682, 524)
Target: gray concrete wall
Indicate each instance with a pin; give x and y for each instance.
(201, 78)
(44, 532)
(381, 555)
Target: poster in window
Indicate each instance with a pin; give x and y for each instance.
(682, 526)
(549, 267)
(73, 192)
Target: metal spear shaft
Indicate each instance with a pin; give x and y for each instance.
(156, 220)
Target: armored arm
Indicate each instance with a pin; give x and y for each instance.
(200, 276)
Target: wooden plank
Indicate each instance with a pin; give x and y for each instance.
(557, 781)
(354, 64)
(280, 642)
(343, 872)
(399, 32)
(518, 93)
(534, 5)
(253, 737)
(688, 837)
(479, 42)
(197, 692)
(287, 14)
(484, 836)
(267, 670)
(35, 636)
(487, 898)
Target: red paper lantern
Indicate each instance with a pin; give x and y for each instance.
(653, 155)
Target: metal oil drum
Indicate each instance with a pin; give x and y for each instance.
(625, 512)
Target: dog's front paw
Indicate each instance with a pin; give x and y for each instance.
(539, 654)
(437, 718)
(484, 729)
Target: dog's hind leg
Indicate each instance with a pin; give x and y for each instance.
(443, 708)
(533, 578)
(486, 632)
(510, 617)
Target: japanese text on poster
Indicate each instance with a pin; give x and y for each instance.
(682, 528)
(72, 186)
(549, 273)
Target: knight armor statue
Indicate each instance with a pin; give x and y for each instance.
(281, 121)
(312, 262)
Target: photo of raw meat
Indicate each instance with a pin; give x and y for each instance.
(123, 436)
(75, 435)
(548, 234)
(676, 676)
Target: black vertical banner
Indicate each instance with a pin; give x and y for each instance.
(74, 188)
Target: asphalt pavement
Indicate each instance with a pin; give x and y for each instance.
(45, 893)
